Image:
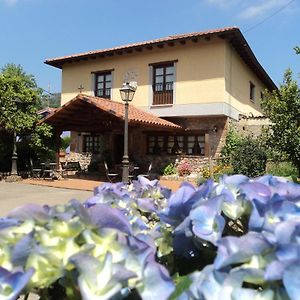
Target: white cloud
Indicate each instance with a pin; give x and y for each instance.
(261, 8)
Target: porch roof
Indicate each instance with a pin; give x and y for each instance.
(94, 114)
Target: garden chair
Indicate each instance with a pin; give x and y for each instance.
(147, 174)
(109, 175)
(48, 171)
(36, 169)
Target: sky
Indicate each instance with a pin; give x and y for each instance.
(35, 30)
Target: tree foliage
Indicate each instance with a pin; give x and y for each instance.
(249, 158)
(282, 107)
(50, 100)
(19, 102)
(233, 139)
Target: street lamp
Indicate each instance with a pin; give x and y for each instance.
(14, 158)
(127, 93)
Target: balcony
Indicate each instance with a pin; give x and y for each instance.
(163, 94)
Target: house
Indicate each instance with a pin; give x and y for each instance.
(189, 88)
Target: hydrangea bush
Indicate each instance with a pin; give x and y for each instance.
(236, 239)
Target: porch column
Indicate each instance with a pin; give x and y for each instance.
(57, 146)
(207, 145)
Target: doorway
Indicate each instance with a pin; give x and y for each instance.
(118, 148)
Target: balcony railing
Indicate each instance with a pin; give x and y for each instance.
(163, 93)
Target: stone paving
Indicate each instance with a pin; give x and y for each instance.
(14, 194)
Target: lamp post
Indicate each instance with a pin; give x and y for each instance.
(127, 93)
(14, 157)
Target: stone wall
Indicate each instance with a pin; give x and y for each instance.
(84, 159)
(252, 126)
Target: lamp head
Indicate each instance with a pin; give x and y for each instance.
(127, 92)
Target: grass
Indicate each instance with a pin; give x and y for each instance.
(284, 169)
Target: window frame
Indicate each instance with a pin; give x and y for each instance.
(251, 91)
(94, 144)
(180, 139)
(96, 82)
(164, 96)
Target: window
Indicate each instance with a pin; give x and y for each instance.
(103, 84)
(171, 144)
(252, 91)
(163, 83)
(155, 144)
(195, 144)
(91, 143)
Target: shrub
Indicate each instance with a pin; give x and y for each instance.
(233, 139)
(169, 169)
(218, 170)
(283, 168)
(249, 158)
(184, 168)
(65, 143)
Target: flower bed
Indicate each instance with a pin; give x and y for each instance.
(236, 239)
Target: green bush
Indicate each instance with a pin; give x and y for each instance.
(249, 158)
(233, 139)
(281, 168)
(65, 142)
(169, 169)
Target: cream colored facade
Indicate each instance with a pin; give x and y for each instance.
(210, 79)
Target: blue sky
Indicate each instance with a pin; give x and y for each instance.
(34, 30)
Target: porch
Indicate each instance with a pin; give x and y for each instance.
(97, 127)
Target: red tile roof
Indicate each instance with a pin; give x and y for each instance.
(231, 34)
(57, 62)
(114, 108)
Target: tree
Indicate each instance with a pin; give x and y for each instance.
(50, 100)
(19, 102)
(282, 107)
(233, 139)
(249, 158)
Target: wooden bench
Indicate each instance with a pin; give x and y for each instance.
(73, 166)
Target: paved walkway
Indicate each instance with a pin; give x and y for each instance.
(67, 183)
(14, 194)
(87, 185)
